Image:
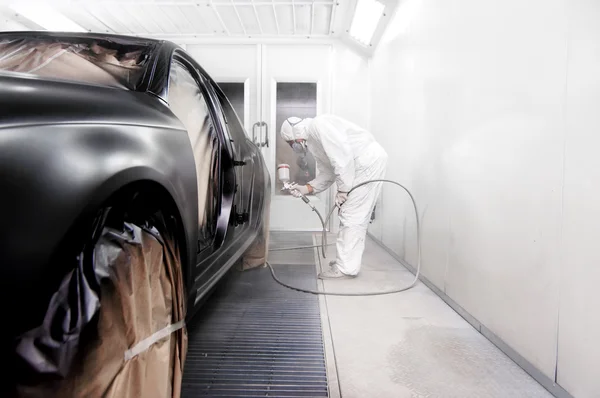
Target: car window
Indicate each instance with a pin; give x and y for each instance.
(85, 60)
(188, 103)
(234, 125)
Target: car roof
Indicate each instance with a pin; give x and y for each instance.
(80, 35)
(155, 50)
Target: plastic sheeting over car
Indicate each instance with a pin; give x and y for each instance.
(115, 327)
(102, 62)
(188, 103)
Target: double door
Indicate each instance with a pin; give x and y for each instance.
(267, 84)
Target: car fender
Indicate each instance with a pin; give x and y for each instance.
(53, 175)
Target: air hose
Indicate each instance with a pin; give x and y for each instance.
(324, 244)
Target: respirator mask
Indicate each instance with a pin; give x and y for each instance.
(302, 163)
(301, 150)
(299, 147)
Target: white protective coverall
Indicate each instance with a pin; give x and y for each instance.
(347, 155)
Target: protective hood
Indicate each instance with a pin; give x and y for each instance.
(295, 128)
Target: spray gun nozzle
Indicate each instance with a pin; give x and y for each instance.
(287, 186)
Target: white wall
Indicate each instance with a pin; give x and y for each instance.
(351, 94)
(578, 349)
(490, 111)
(350, 76)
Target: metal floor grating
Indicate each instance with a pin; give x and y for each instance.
(255, 338)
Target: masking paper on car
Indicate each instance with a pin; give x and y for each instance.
(135, 343)
(83, 60)
(257, 254)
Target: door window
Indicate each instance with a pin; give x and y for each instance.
(241, 149)
(235, 94)
(188, 103)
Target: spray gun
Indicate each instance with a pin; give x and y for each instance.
(287, 186)
(283, 173)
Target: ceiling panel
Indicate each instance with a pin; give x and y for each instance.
(83, 18)
(249, 18)
(303, 19)
(267, 20)
(232, 1)
(160, 18)
(213, 19)
(129, 16)
(106, 15)
(184, 24)
(176, 19)
(322, 20)
(286, 19)
(232, 20)
(202, 19)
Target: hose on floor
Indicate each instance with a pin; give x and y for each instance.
(324, 244)
(283, 249)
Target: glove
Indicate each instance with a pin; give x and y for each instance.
(298, 190)
(340, 198)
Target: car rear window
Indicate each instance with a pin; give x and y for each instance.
(94, 61)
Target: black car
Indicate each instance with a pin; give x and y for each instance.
(103, 137)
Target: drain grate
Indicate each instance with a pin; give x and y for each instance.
(255, 338)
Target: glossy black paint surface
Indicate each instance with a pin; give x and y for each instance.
(65, 148)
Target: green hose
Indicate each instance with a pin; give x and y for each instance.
(324, 244)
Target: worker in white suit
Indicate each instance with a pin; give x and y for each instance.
(347, 155)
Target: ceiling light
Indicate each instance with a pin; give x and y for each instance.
(46, 17)
(365, 20)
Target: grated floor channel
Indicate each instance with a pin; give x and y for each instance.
(255, 338)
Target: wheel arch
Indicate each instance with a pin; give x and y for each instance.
(149, 197)
(146, 191)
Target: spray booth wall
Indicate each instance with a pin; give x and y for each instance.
(490, 111)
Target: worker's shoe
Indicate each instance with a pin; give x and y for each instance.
(334, 273)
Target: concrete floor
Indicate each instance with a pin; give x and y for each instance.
(410, 344)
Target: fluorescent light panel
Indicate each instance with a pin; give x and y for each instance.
(46, 17)
(367, 15)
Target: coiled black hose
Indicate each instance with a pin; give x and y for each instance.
(324, 244)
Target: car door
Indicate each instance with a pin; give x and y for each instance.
(244, 160)
(218, 169)
(190, 101)
(255, 186)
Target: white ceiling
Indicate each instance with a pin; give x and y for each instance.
(184, 19)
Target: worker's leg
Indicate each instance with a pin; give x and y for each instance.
(355, 215)
(350, 245)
